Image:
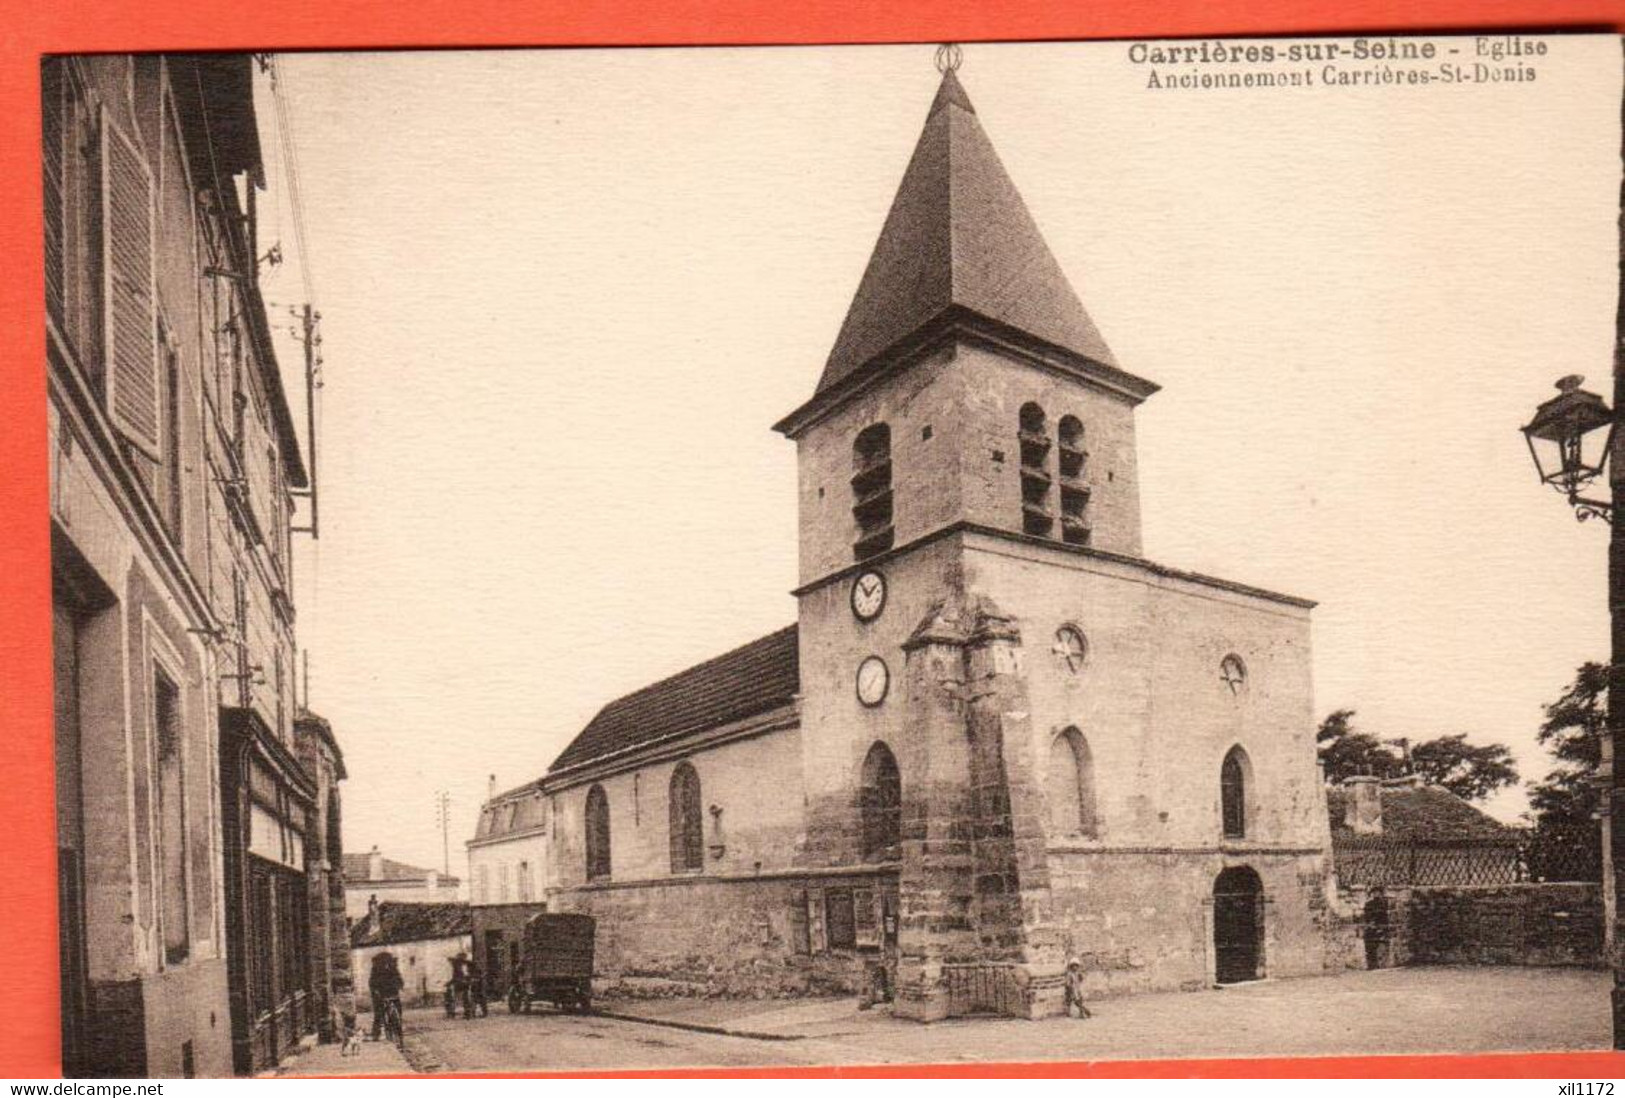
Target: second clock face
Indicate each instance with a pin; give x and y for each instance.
(868, 596)
(874, 679)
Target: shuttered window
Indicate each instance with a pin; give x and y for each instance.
(53, 105)
(73, 214)
(133, 389)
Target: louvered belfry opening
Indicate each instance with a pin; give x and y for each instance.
(1071, 459)
(1037, 518)
(872, 491)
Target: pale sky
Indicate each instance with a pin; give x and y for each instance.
(566, 294)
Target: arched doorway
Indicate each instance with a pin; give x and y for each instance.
(1238, 926)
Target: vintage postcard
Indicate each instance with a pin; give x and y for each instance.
(768, 557)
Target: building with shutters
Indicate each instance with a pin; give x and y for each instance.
(197, 811)
(998, 737)
(507, 868)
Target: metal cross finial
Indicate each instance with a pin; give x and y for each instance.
(949, 57)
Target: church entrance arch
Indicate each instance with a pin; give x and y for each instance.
(1238, 925)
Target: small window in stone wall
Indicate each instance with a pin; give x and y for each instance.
(840, 925)
(1233, 793)
(597, 828)
(686, 820)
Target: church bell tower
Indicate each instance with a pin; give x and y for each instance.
(969, 403)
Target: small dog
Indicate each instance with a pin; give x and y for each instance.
(352, 1038)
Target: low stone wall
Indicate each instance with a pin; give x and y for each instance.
(1525, 924)
(716, 937)
(1521, 924)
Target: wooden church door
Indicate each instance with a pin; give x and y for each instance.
(1238, 925)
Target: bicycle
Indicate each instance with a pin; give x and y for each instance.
(393, 1030)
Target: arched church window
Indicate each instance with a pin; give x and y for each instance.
(1071, 785)
(1033, 436)
(871, 490)
(881, 805)
(1234, 777)
(1074, 492)
(597, 833)
(686, 820)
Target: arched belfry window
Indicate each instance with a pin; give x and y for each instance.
(597, 826)
(1070, 457)
(687, 824)
(1071, 785)
(871, 490)
(881, 805)
(1234, 777)
(1033, 435)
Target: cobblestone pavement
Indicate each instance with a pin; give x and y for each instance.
(1420, 1010)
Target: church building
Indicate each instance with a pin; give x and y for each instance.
(997, 739)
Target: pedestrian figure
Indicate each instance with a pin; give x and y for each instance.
(458, 991)
(384, 982)
(1074, 989)
(476, 991)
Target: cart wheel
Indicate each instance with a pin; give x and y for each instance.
(517, 1001)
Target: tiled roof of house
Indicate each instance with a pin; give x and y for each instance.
(762, 675)
(1420, 813)
(521, 809)
(357, 871)
(391, 923)
(959, 234)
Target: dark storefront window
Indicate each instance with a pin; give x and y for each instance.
(171, 818)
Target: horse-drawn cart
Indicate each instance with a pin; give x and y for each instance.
(555, 964)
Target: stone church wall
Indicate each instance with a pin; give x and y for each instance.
(755, 782)
(1144, 921)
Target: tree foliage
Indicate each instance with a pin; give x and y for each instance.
(1567, 840)
(1470, 771)
(1573, 731)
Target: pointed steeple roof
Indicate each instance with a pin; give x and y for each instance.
(959, 235)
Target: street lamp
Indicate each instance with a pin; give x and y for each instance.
(1571, 450)
(1567, 450)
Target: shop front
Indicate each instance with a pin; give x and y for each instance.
(267, 803)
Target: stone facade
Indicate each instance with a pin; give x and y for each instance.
(173, 467)
(1055, 749)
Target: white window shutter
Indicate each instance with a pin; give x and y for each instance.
(133, 391)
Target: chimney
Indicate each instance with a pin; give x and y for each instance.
(1364, 805)
(375, 865)
(491, 787)
(372, 908)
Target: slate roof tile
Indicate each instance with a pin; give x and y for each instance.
(754, 678)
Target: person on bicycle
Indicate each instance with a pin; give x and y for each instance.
(385, 983)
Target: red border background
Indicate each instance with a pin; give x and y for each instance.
(28, 991)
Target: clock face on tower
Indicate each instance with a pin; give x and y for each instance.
(874, 679)
(868, 596)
